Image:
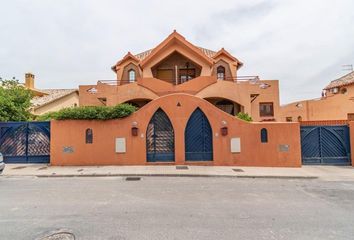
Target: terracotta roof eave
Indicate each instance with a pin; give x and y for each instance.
(55, 99)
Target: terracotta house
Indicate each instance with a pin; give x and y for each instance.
(178, 66)
(336, 103)
(188, 97)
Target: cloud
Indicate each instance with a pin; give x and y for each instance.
(68, 43)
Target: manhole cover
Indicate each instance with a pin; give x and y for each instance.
(182, 167)
(59, 236)
(132, 179)
(237, 170)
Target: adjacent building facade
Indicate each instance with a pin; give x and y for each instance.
(336, 103)
(50, 100)
(178, 66)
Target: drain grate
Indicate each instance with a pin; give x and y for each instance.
(60, 236)
(237, 170)
(132, 178)
(182, 167)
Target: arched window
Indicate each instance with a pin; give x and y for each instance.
(264, 135)
(132, 76)
(89, 135)
(220, 73)
(299, 118)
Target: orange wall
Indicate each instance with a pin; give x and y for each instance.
(202, 87)
(71, 133)
(332, 107)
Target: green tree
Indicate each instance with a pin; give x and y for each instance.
(15, 101)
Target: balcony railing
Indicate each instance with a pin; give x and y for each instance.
(238, 79)
(114, 82)
(250, 79)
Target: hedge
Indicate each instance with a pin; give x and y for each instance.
(90, 113)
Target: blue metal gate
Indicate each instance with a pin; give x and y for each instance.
(25, 142)
(198, 138)
(160, 145)
(325, 145)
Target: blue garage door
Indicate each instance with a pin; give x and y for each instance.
(198, 138)
(25, 142)
(160, 138)
(327, 145)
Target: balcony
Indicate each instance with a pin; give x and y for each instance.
(238, 79)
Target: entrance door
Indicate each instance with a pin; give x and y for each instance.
(326, 145)
(160, 138)
(198, 138)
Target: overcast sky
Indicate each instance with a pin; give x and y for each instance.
(67, 43)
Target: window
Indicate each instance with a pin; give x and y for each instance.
(289, 119)
(131, 74)
(220, 73)
(299, 118)
(186, 74)
(264, 135)
(89, 136)
(266, 109)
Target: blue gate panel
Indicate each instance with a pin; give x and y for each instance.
(25, 142)
(160, 138)
(198, 138)
(325, 145)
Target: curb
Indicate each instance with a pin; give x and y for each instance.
(163, 175)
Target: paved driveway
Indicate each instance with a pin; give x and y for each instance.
(176, 208)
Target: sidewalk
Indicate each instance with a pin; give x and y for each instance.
(334, 173)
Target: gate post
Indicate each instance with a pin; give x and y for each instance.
(351, 138)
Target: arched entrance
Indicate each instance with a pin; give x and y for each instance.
(198, 138)
(160, 138)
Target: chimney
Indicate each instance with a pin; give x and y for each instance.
(29, 80)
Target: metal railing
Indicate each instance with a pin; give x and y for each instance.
(238, 79)
(251, 79)
(114, 82)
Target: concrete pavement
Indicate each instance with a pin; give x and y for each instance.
(42, 170)
(175, 208)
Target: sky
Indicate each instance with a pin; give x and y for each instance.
(66, 43)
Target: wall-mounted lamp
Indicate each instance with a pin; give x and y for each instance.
(224, 131)
(135, 129)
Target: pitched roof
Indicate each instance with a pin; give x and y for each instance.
(207, 53)
(52, 95)
(342, 81)
(175, 36)
(141, 56)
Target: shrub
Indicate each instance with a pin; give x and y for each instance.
(90, 113)
(244, 116)
(46, 116)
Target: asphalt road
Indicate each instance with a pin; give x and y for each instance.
(176, 208)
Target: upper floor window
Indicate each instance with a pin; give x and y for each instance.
(132, 75)
(220, 73)
(266, 109)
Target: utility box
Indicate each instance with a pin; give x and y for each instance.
(120, 145)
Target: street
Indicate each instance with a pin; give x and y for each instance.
(176, 208)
